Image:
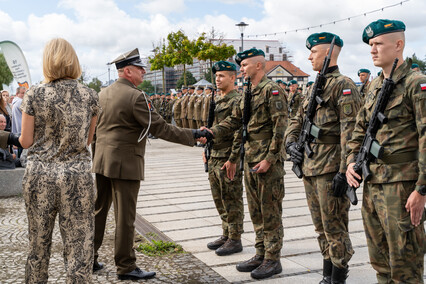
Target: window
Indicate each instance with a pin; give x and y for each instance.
(280, 50)
(267, 49)
(284, 57)
(271, 57)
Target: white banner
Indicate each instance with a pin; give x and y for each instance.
(15, 59)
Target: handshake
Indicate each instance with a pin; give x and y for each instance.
(202, 135)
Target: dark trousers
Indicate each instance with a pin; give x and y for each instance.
(124, 194)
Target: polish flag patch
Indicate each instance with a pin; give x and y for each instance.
(423, 86)
(275, 92)
(347, 91)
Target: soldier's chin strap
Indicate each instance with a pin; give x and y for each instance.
(145, 132)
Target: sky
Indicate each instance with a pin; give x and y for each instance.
(100, 30)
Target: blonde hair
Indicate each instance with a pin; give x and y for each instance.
(60, 61)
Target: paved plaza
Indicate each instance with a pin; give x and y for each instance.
(175, 203)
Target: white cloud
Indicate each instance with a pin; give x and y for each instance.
(162, 6)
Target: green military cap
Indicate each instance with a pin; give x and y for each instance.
(223, 66)
(322, 38)
(184, 88)
(414, 65)
(363, 70)
(152, 94)
(381, 27)
(292, 82)
(247, 54)
(168, 94)
(379, 73)
(200, 88)
(279, 81)
(309, 83)
(235, 83)
(284, 83)
(245, 84)
(210, 88)
(128, 58)
(191, 87)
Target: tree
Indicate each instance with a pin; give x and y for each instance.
(180, 50)
(189, 79)
(160, 60)
(146, 86)
(83, 78)
(209, 76)
(211, 52)
(6, 76)
(421, 63)
(95, 84)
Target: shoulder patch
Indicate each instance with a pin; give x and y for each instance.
(347, 92)
(279, 105)
(275, 92)
(347, 109)
(423, 86)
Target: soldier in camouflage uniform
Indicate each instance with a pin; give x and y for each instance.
(263, 163)
(294, 99)
(225, 179)
(324, 173)
(364, 76)
(394, 198)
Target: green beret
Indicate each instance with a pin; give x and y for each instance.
(414, 65)
(381, 27)
(309, 83)
(363, 71)
(284, 83)
(292, 82)
(279, 81)
(223, 66)
(322, 38)
(168, 94)
(247, 54)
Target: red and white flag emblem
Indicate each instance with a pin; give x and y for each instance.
(347, 91)
(423, 86)
(275, 92)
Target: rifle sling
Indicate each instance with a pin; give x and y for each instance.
(223, 145)
(327, 139)
(259, 136)
(399, 158)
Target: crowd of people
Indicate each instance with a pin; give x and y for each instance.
(58, 120)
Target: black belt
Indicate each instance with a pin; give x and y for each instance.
(399, 158)
(327, 139)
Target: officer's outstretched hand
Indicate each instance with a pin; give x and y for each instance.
(339, 185)
(295, 155)
(13, 139)
(198, 133)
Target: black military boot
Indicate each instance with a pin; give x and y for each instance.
(231, 246)
(339, 275)
(217, 243)
(327, 268)
(251, 264)
(268, 268)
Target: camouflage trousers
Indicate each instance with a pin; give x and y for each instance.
(330, 216)
(265, 193)
(64, 189)
(228, 198)
(395, 246)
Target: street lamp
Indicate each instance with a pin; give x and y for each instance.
(155, 75)
(242, 27)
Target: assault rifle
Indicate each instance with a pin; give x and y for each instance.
(309, 130)
(209, 144)
(245, 121)
(370, 148)
(363, 85)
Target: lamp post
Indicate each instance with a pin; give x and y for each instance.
(242, 27)
(155, 75)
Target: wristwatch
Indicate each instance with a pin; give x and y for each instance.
(422, 190)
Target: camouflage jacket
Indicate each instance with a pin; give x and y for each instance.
(403, 134)
(266, 126)
(228, 144)
(177, 108)
(336, 119)
(294, 101)
(364, 90)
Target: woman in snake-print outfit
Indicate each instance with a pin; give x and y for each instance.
(58, 122)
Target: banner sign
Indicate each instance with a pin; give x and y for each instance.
(15, 59)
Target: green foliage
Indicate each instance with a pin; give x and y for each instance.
(6, 76)
(95, 84)
(422, 63)
(147, 87)
(159, 248)
(208, 76)
(189, 80)
(83, 78)
(212, 52)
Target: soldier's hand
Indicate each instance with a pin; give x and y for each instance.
(262, 167)
(207, 133)
(339, 185)
(352, 177)
(295, 155)
(231, 168)
(13, 139)
(415, 205)
(204, 157)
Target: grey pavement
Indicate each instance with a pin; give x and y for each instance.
(175, 202)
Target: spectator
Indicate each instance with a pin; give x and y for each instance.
(5, 113)
(58, 122)
(6, 155)
(17, 114)
(6, 97)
